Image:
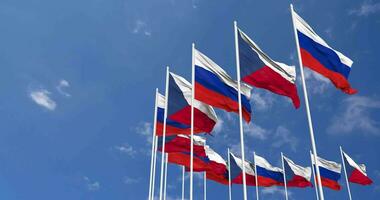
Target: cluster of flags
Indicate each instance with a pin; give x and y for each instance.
(188, 109)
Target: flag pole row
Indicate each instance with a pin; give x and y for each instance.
(187, 109)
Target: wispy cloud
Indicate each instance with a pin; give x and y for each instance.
(130, 180)
(274, 191)
(218, 126)
(140, 27)
(91, 185)
(256, 131)
(145, 129)
(126, 149)
(61, 86)
(283, 136)
(42, 98)
(356, 115)
(262, 100)
(365, 9)
(316, 83)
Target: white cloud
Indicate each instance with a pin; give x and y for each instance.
(60, 87)
(262, 100)
(41, 97)
(315, 82)
(218, 126)
(256, 131)
(145, 129)
(130, 180)
(126, 149)
(275, 190)
(356, 115)
(91, 185)
(141, 27)
(282, 137)
(366, 8)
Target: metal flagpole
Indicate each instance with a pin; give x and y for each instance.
(283, 170)
(256, 179)
(154, 166)
(166, 174)
(345, 173)
(183, 182)
(192, 121)
(164, 132)
(314, 148)
(153, 146)
(240, 109)
(229, 176)
(205, 186)
(315, 178)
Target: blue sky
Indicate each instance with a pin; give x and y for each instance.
(77, 88)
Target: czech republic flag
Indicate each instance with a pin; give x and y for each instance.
(236, 170)
(330, 173)
(217, 167)
(267, 175)
(317, 55)
(172, 127)
(356, 173)
(259, 70)
(182, 143)
(179, 106)
(215, 87)
(296, 176)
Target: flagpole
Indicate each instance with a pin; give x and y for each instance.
(256, 178)
(345, 173)
(164, 132)
(315, 178)
(283, 170)
(153, 141)
(240, 110)
(183, 182)
(205, 186)
(314, 148)
(192, 121)
(166, 174)
(229, 175)
(154, 166)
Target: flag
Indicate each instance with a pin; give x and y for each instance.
(267, 175)
(182, 143)
(215, 87)
(236, 170)
(317, 55)
(296, 176)
(179, 106)
(356, 173)
(259, 70)
(172, 127)
(200, 163)
(330, 172)
(217, 167)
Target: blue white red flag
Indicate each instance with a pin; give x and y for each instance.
(215, 87)
(267, 175)
(236, 170)
(172, 127)
(179, 106)
(259, 70)
(356, 173)
(317, 55)
(330, 173)
(296, 175)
